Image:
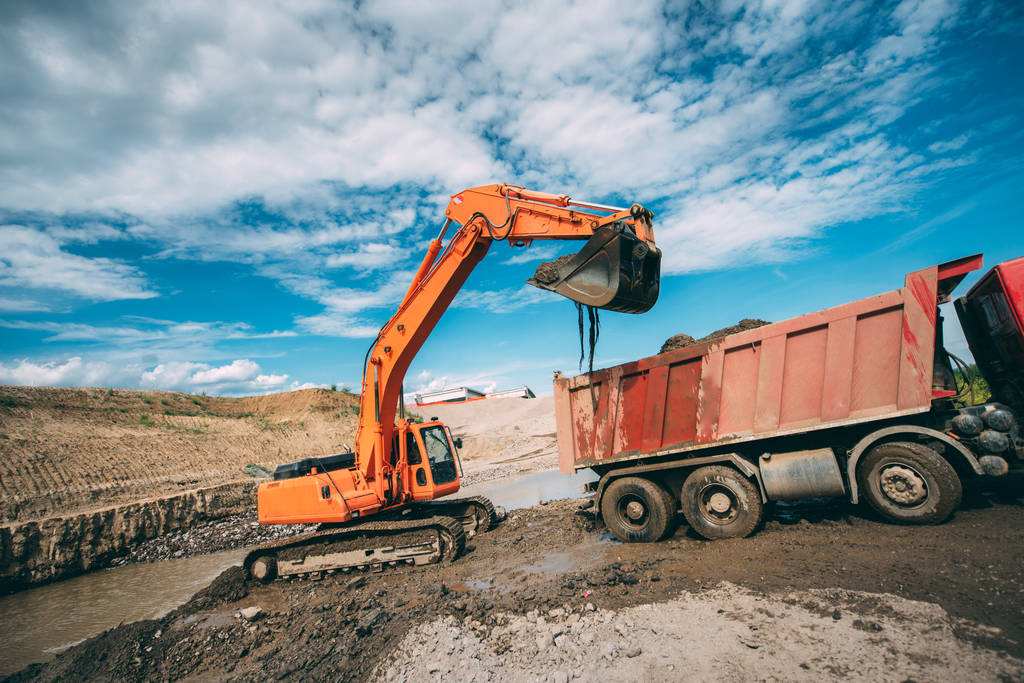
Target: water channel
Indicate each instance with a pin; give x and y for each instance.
(37, 624)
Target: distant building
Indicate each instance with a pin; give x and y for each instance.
(517, 392)
(463, 394)
(450, 395)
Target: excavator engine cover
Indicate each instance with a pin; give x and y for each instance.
(614, 270)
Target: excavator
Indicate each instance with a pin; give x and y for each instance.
(383, 505)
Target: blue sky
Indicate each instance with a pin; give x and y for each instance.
(232, 199)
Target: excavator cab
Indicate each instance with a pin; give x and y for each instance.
(433, 461)
(615, 270)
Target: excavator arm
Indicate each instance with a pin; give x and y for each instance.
(618, 269)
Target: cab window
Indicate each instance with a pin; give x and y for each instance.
(439, 453)
(412, 449)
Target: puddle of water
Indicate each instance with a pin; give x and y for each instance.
(515, 493)
(553, 563)
(41, 622)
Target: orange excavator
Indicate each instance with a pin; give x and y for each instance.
(379, 506)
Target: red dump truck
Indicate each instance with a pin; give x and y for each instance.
(859, 401)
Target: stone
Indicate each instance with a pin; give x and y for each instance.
(250, 613)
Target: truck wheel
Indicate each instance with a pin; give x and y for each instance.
(637, 510)
(909, 483)
(719, 502)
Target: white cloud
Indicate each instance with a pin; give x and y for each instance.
(20, 305)
(370, 256)
(73, 371)
(336, 325)
(531, 254)
(951, 145)
(756, 126)
(163, 333)
(237, 371)
(32, 259)
(170, 375)
(270, 380)
(503, 300)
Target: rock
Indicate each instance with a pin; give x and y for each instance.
(369, 621)
(836, 615)
(632, 652)
(544, 641)
(250, 613)
(590, 607)
(356, 582)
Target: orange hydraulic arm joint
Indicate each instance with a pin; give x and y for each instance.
(617, 269)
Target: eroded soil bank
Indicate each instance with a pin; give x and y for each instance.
(818, 574)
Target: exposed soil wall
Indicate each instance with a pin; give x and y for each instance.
(37, 552)
(65, 451)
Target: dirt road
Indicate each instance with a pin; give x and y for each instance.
(822, 591)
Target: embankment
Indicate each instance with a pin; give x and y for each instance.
(69, 451)
(37, 552)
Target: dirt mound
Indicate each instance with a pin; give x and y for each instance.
(681, 340)
(64, 451)
(502, 434)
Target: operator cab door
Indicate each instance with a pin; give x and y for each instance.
(434, 471)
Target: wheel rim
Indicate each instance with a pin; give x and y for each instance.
(902, 485)
(633, 510)
(717, 504)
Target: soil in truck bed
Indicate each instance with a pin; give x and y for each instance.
(682, 340)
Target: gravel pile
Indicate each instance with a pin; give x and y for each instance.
(727, 633)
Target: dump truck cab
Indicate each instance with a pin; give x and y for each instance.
(991, 314)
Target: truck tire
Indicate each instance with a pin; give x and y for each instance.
(909, 483)
(719, 502)
(637, 510)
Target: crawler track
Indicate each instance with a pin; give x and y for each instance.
(310, 555)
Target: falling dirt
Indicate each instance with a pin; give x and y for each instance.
(814, 575)
(681, 340)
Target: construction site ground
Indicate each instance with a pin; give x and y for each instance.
(823, 591)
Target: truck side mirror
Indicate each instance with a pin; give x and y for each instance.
(458, 442)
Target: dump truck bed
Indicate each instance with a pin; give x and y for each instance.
(863, 361)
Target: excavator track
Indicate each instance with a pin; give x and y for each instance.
(444, 540)
(477, 513)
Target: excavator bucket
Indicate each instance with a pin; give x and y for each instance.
(614, 270)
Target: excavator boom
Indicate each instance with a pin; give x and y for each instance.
(618, 269)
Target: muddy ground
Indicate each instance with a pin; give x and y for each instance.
(816, 578)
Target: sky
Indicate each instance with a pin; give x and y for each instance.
(231, 198)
